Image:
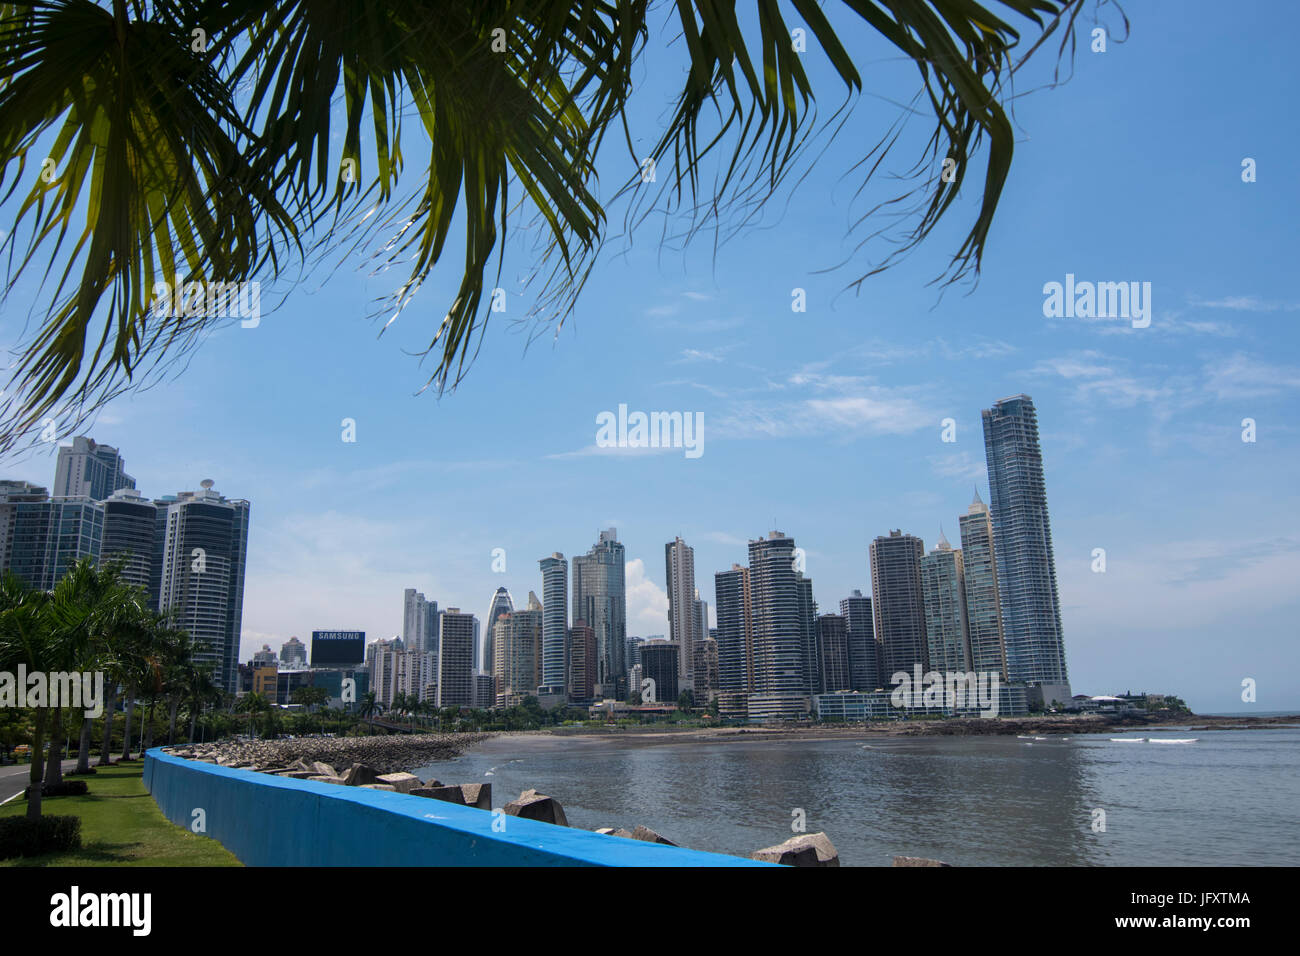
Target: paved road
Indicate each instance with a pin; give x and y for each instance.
(15, 779)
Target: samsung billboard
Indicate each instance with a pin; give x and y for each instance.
(329, 648)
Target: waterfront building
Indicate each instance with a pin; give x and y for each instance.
(897, 604)
(555, 626)
(659, 664)
(41, 537)
(943, 589)
(983, 604)
(517, 653)
(833, 648)
(812, 665)
(706, 671)
(735, 638)
(203, 550)
(455, 660)
(864, 668)
(130, 535)
(582, 663)
(600, 599)
(1031, 606)
(88, 469)
(779, 603)
(683, 615)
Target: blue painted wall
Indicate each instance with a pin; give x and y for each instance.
(267, 820)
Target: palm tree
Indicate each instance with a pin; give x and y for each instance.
(199, 692)
(252, 704)
(25, 639)
(370, 709)
(195, 140)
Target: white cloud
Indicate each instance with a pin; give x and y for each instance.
(647, 602)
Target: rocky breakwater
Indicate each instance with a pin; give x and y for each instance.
(383, 754)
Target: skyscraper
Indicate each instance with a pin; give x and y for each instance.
(201, 573)
(501, 604)
(600, 599)
(419, 622)
(1031, 606)
(455, 659)
(130, 529)
(683, 615)
(582, 662)
(517, 656)
(88, 468)
(555, 625)
(41, 537)
(863, 665)
(735, 630)
(812, 664)
(778, 602)
(983, 606)
(944, 593)
(833, 652)
(897, 604)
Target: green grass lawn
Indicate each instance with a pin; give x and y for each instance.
(121, 826)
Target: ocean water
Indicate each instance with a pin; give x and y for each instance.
(1232, 798)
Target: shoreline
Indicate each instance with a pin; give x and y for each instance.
(555, 738)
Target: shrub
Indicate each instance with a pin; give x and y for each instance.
(22, 837)
(68, 788)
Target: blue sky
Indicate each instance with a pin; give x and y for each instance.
(825, 424)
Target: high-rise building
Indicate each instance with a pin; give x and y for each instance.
(683, 615)
(812, 666)
(864, 667)
(555, 625)
(701, 618)
(833, 645)
(983, 605)
(659, 664)
(88, 468)
(501, 604)
(455, 659)
(735, 640)
(204, 549)
(517, 656)
(293, 651)
(419, 622)
(41, 537)
(897, 604)
(600, 599)
(130, 534)
(706, 670)
(943, 589)
(1031, 605)
(778, 607)
(582, 663)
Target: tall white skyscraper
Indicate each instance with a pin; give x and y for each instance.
(204, 550)
(683, 614)
(555, 625)
(88, 468)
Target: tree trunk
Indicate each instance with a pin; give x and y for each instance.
(105, 752)
(54, 766)
(194, 716)
(38, 740)
(83, 752)
(171, 726)
(146, 734)
(126, 729)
